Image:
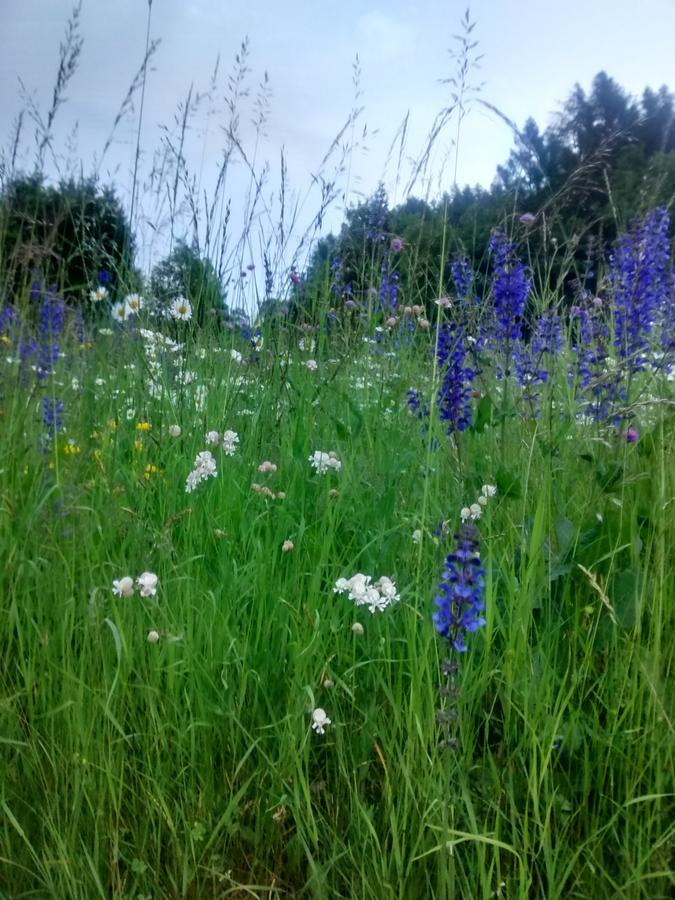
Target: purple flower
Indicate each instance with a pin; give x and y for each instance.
(454, 395)
(396, 244)
(527, 219)
(641, 278)
(631, 436)
(459, 600)
(510, 287)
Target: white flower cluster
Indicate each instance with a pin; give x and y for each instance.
(322, 461)
(377, 597)
(204, 467)
(146, 583)
(475, 511)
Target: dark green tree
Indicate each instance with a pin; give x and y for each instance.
(63, 235)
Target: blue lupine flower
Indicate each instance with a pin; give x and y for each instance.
(459, 600)
(462, 278)
(388, 286)
(50, 324)
(641, 279)
(510, 287)
(51, 420)
(454, 395)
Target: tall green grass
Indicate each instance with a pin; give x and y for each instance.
(187, 768)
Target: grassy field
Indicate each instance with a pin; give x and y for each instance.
(162, 745)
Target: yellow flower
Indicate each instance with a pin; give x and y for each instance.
(143, 426)
(5, 340)
(111, 424)
(138, 445)
(150, 471)
(71, 448)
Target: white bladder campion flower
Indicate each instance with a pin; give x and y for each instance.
(147, 584)
(204, 467)
(212, 438)
(322, 461)
(311, 365)
(230, 441)
(377, 597)
(320, 720)
(175, 431)
(153, 636)
(123, 587)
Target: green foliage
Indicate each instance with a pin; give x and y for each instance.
(63, 235)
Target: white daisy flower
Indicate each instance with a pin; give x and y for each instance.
(181, 309)
(133, 304)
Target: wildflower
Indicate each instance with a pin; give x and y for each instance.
(119, 312)
(295, 277)
(391, 322)
(454, 395)
(175, 431)
(212, 438)
(143, 426)
(123, 587)
(459, 600)
(424, 324)
(204, 467)
(488, 490)
(328, 683)
(333, 492)
(465, 514)
(149, 471)
(357, 629)
(475, 511)
(153, 637)
(236, 356)
(396, 244)
(147, 584)
(287, 546)
(98, 294)
(417, 536)
(311, 365)
(133, 304)
(631, 436)
(527, 219)
(322, 462)
(181, 309)
(267, 466)
(642, 282)
(510, 288)
(320, 720)
(377, 597)
(230, 441)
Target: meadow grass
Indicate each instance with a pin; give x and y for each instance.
(162, 746)
(188, 767)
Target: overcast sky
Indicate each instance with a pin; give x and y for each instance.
(534, 52)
